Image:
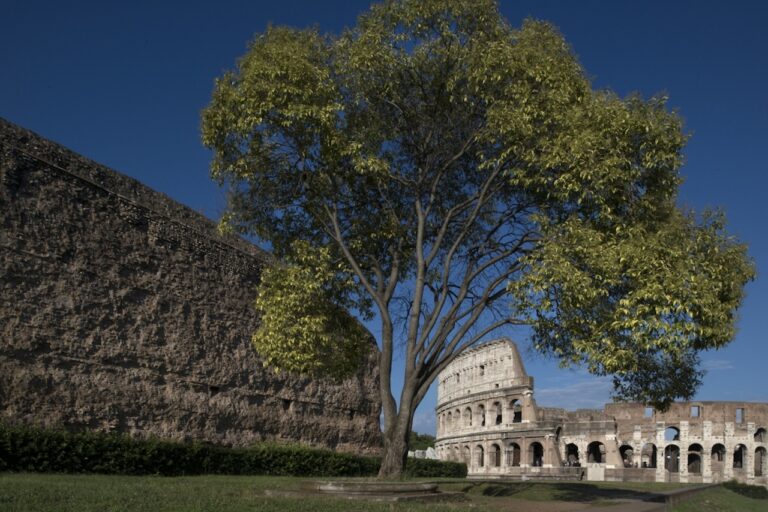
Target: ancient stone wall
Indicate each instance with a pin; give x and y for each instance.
(123, 310)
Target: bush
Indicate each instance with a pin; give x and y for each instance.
(40, 450)
(429, 468)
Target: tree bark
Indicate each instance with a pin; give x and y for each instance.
(396, 446)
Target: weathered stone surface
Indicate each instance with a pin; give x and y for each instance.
(123, 310)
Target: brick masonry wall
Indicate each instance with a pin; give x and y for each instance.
(123, 310)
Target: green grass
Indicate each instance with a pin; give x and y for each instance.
(108, 493)
(729, 498)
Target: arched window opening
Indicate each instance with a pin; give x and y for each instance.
(760, 435)
(572, 455)
(468, 417)
(516, 411)
(481, 415)
(449, 425)
(672, 434)
(694, 459)
(648, 455)
(761, 462)
(739, 456)
(672, 458)
(627, 455)
(466, 455)
(479, 456)
(497, 409)
(718, 454)
(536, 454)
(496, 455)
(513, 454)
(596, 452)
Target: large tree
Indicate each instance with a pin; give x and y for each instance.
(449, 175)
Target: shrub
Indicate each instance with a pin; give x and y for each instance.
(41, 450)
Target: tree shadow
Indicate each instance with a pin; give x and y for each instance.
(755, 492)
(563, 491)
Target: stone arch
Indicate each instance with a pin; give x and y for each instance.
(481, 415)
(515, 411)
(466, 455)
(456, 455)
(627, 455)
(596, 452)
(694, 459)
(449, 422)
(497, 413)
(761, 461)
(739, 456)
(479, 456)
(558, 431)
(718, 453)
(495, 454)
(648, 455)
(536, 454)
(672, 458)
(468, 417)
(513, 454)
(572, 455)
(760, 435)
(671, 433)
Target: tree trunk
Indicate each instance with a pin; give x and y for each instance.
(396, 446)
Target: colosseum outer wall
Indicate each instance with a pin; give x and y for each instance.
(123, 310)
(488, 418)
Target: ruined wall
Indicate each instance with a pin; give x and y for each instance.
(123, 310)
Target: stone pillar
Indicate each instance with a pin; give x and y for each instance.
(527, 407)
(661, 474)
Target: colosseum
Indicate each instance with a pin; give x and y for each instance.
(488, 418)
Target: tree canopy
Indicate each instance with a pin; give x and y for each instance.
(451, 175)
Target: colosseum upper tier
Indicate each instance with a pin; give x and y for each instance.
(488, 418)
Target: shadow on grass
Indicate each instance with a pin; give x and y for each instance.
(755, 492)
(560, 491)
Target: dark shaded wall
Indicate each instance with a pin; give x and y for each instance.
(123, 310)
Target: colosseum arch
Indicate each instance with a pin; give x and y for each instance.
(495, 453)
(761, 461)
(479, 456)
(513, 454)
(468, 417)
(536, 454)
(515, 411)
(497, 413)
(694, 459)
(760, 435)
(648, 455)
(572, 455)
(671, 434)
(466, 455)
(627, 454)
(481, 415)
(596, 452)
(672, 458)
(739, 456)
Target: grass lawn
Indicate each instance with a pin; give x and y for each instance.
(728, 498)
(50, 492)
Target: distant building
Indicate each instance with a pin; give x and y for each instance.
(487, 417)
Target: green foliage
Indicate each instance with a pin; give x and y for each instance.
(463, 175)
(418, 441)
(429, 468)
(59, 451)
(303, 329)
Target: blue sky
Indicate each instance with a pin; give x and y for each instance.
(124, 83)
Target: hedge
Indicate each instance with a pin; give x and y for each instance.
(59, 451)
